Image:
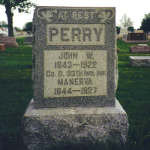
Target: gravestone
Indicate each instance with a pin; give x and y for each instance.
(143, 44)
(2, 47)
(124, 37)
(28, 40)
(136, 38)
(139, 49)
(8, 41)
(139, 61)
(75, 79)
(138, 31)
(123, 31)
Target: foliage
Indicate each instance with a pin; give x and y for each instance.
(10, 5)
(3, 24)
(28, 26)
(17, 29)
(131, 29)
(145, 25)
(126, 21)
(118, 29)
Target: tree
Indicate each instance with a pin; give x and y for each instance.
(17, 29)
(118, 29)
(145, 25)
(131, 29)
(3, 24)
(126, 21)
(28, 26)
(22, 5)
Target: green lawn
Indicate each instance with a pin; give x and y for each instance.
(134, 95)
(16, 92)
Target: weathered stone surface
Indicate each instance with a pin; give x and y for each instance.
(28, 40)
(139, 61)
(136, 36)
(8, 41)
(75, 75)
(123, 31)
(56, 127)
(68, 31)
(124, 37)
(138, 31)
(116, 69)
(136, 41)
(139, 49)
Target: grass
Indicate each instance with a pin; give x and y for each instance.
(134, 95)
(16, 92)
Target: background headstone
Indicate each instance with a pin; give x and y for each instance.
(124, 37)
(28, 40)
(8, 41)
(123, 31)
(138, 31)
(136, 38)
(148, 37)
(139, 49)
(139, 61)
(75, 78)
(2, 47)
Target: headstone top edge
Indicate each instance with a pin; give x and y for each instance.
(139, 57)
(72, 7)
(75, 14)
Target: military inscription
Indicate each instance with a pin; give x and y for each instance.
(74, 57)
(70, 73)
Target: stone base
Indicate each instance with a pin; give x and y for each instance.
(2, 47)
(137, 41)
(27, 42)
(139, 61)
(57, 127)
(11, 44)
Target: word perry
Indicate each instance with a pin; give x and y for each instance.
(75, 34)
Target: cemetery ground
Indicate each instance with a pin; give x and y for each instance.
(16, 92)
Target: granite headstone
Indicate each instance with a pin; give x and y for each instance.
(123, 31)
(28, 40)
(124, 37)
(136, 38)
(9, 41)
(140, 49)
(138, 31)
(139, 61)
(74, 56)
(75, 79)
